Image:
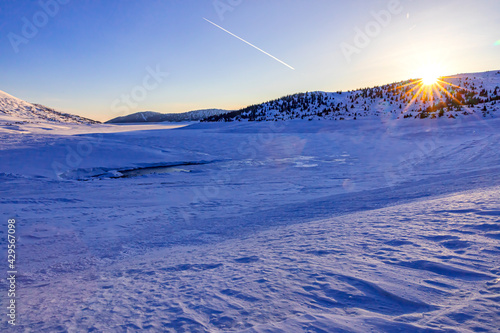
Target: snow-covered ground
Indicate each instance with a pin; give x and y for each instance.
(300, 226)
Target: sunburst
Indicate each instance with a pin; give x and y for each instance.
(430, 79)
(428, 88)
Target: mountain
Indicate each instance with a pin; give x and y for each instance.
(453, 96)
(17, 110)
(156, 117)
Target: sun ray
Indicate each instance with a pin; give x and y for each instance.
(430, 94)
(436, 90)
(454, 85)
(415, 87)
(427, 95)
(450, 95)
(420, 87)
(404, 86)
(468, 109)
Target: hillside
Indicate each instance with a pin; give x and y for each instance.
(156, 117)
(15, 110)
(453, 96)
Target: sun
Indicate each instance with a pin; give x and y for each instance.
(429, 90)
(430, 79)
(429, 75)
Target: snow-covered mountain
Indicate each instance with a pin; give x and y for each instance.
(16, 110)
(156, 117)
(453, 96)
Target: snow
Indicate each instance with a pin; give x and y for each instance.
(14, 112)
(457, 96)
(374, 225)
(289, 226)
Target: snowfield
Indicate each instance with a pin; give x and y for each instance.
(371, 225)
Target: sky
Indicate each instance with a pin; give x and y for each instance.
(109, 58)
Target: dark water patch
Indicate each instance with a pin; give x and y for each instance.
(116, 173)
(137, 172)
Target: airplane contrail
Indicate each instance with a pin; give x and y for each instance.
(270, 55)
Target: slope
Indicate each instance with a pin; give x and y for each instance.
(476, 94)
(16, 111)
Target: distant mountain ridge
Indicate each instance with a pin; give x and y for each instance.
(22, 111)
(156, 117)
(461, 95)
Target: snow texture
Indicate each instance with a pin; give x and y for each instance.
(373, 225)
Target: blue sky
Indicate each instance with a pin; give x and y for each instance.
(95, 58)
